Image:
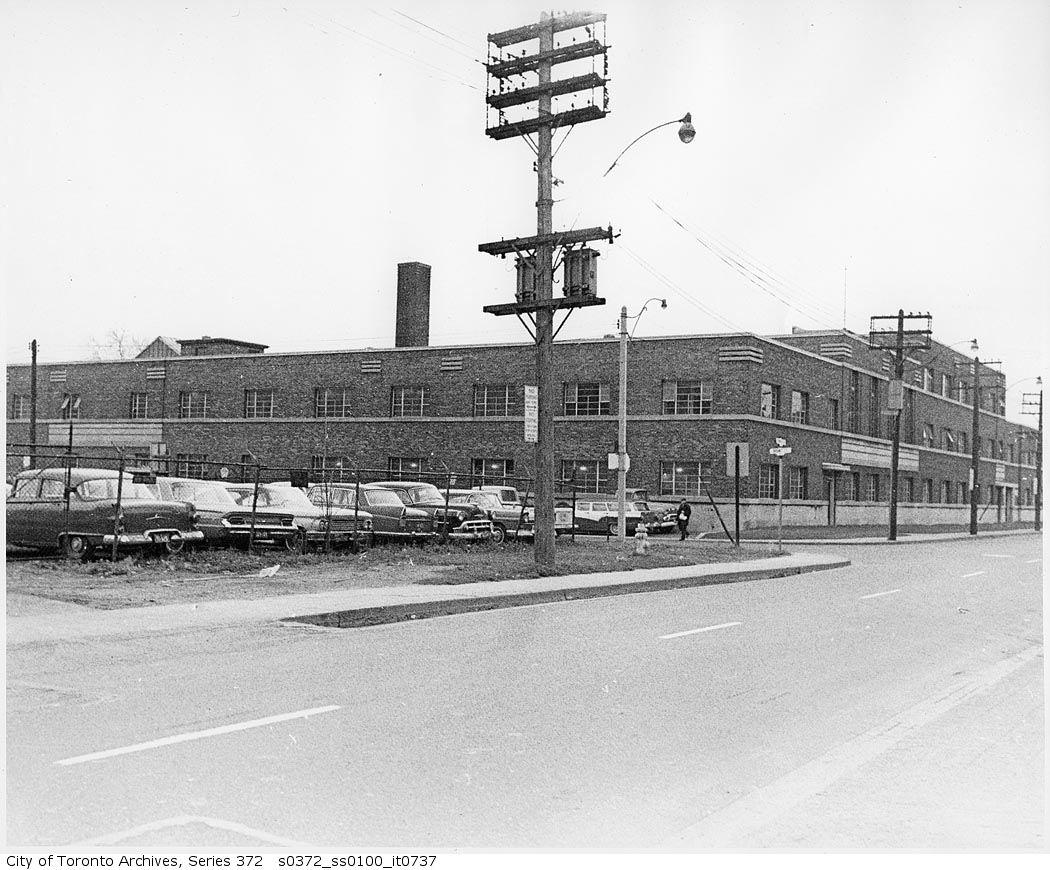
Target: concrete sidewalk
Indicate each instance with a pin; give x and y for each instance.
(371, 606)
(903, 538)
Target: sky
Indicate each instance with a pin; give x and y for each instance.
(256, 170)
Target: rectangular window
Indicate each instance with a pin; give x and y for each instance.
(947, 440)
(908, 423)
(585, 474)
(849, 486)
(686, 397)
(491, 472)
(190, 464)
(408, 401)
(908, 489)
(139, 408)
(962, 440)
(19, 406)
(680, 479)
(962, 393)
(768, 481)
(799, 407)
(946, 386)
(193, 405)
(770, 401)
(70, 407)
(853, 405)
(929, 437)
(927, 490)
(331, 403)
(927, 380)
(874, 417)
(258, 403)
(586, 399)
(406, 467)
(496, 400)
(331, 468)
(873, 487)
(960, 488)
(834, 413)
(799, 482)
(946, 491)
(247, 471)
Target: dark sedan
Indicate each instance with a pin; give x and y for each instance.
(392, 519)
(37, 515)
(459, 520)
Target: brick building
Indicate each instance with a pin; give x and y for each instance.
(406, 409)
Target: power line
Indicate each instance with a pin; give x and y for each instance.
(433, 30)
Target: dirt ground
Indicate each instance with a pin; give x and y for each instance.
(142, 581)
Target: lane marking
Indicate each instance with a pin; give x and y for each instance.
(997, 555)
(1032, 561)
(738, 821)
(879, 594)
(179, 821)
(698, 630)
(196, 735)
(974, 574)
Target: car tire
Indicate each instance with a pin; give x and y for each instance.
(76, 547)
(174, 544)
(499, 534)
(296, 543)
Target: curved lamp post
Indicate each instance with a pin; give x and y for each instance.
(686, 132)
(621, 447)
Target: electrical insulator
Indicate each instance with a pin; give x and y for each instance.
(581, 272)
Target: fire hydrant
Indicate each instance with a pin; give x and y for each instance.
(641, 541)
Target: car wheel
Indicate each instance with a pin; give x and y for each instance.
(295, 543)
(499, 534)
(76, 547)
(174, 544)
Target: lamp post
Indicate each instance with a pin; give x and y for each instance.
(621, 440)
(686, 132)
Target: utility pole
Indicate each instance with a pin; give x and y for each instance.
(535, 255)
(621, 439)
(32, 405)
(1032, 403)
(917, 338)
(975, 447)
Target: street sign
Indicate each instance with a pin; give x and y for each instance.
(614, 461)
(895, 396)
(745, 459)
(779, 451)
(532, 414)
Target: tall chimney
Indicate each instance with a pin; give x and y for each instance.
(413, 305)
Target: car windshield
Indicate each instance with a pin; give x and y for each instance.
(289, 496)
(328, 495)
(488, 500)
(202, 494)
(640, 505)
(105, 488)
(423, 492)
(382, 498)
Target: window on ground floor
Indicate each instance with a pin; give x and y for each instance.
(872, 493)
(907, 489)
(585, 474)
(331, 468)
(190, 464)
(406, 467)
(798, 483)
(684, 478)
(768, 481)
(927, 490)
(491, 472)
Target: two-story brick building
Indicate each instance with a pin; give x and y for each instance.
(408, 409)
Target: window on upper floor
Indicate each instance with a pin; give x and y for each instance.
(496, 400)
(193, 404)
(833, 413)
(70, 406)
(799, 407)
(927, 380)
(947, 440)
(686, 397)
(962, 392)
(946, 386)
(585, 399)
(853, 402)
(331, 403)
(770, 406)
(258, 403)
(19, 406)
(874, 411)
(138, 407)
(929, 437)
(408, 401)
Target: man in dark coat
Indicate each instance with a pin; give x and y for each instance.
(684, 512)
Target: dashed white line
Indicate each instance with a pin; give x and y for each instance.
(698, 630)
(196, 735)
(997, 555)
(879, 594)
(974, 574)
(1032, 561)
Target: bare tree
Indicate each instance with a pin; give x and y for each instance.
(116, 344)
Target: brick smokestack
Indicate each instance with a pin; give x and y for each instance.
(413, 305)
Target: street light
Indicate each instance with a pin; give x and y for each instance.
(686, 132)
(621, 446)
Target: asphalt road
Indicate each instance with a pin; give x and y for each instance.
(897, 703)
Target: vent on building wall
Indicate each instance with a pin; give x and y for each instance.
(740, 354)
(57, 377)
(452, 364)
(371, 366)
(156, 374)
(836, 350)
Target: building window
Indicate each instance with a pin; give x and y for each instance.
(406, 467)
(331, 468)
(247, 471)
(960, 488)
(331, 403)
(19, 406)
(850, 486)
(908, 489)
(585, 474)
(928, 435)
(139, 409)
(874, 417)
(193, 405)
(684, 478)
(834, 407)
(927, 490)
(853, 406)
(491, 472)
(190, 464)
(586, 400)
(70, 407)
(873, 487)
(798, 483)
(686, 397)
(768, 481)
(947, 440)
(799, 407)
(408, 401)
(962, 392)
(258, 403)
(770, 401)
(908, 423)
(946, 491)
(946, 386)
(962, 440)
(495, 400)
(927, 380)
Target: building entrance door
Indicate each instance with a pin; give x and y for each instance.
(832, 480)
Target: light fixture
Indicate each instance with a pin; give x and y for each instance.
(687, 132)
(973, 345)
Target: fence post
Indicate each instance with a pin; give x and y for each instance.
(357, 502)
(448, 487)
(255, 501)
(573, 536)
(116, 513)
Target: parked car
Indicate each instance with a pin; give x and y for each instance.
(392, 519)
(506, 494)
(507, 519)
(224, 521)
(36, 513)
(597, 513)
(460, 520)
(337, 526)
(658, 518)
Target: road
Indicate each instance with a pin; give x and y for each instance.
(897, 703)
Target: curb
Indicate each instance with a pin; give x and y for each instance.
(918, 539)
(368, 616)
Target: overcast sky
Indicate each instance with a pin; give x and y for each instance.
(257, 170)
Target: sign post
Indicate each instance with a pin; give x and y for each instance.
(737, 456)
(780, 451)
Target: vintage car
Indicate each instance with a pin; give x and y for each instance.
(657, 519)
(392, 519)
(460, 520)
(508, 520)
(224, 521)
(37, 515)
(597, 513)
(506, 494)
(335, 525)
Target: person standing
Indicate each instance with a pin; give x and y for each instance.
(684, 512)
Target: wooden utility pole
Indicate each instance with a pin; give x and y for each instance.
(32, 405)
(1032, 403)
(535, 254)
